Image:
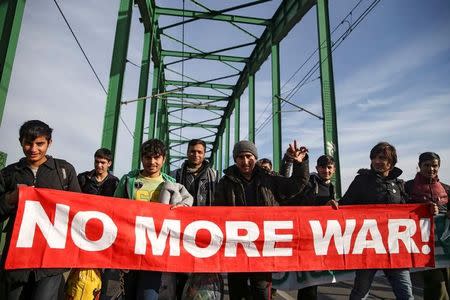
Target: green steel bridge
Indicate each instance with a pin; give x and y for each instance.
(216, 99)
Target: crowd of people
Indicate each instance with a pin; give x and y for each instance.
(248, 182)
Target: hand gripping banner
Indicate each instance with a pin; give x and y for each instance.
(56, 229)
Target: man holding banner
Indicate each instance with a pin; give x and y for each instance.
(247, 184)
(379, 185)
(39, 170)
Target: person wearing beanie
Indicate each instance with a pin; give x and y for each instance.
(427, 188)
(247, 184)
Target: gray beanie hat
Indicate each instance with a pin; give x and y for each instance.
(244, 146)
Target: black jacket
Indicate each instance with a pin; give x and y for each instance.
(369, 187)
(312, 194)
(270, 189)
(89, 184)
(54, 174)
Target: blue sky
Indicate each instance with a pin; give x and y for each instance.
(391, 79)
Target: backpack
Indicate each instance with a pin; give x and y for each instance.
(62, 173)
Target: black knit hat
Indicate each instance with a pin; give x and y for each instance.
(244, 146)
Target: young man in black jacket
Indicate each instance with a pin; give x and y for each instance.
(42, 171)
(318, 192)
(99, 181)
(379, 185)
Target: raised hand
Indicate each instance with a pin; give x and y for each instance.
(297, 153)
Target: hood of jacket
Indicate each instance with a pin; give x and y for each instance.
(393, 174)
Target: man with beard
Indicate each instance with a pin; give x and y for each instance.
(200, 180)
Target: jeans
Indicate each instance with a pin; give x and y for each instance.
(398, 278)
(436, 284)
(260, 286)
(307, 293)
(47, 288)
(142, 285)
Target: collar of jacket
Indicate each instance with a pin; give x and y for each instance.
(135, 174)
(424, 180)
(91, 174)
(49, 163)
(393, 174)
(234, 174)
(203, 168)
(316, 178)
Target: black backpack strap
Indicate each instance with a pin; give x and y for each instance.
(62, 174)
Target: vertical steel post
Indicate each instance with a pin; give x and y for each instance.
(119, 59)
(237, 119)
(251, 107)
(327, 90)
(276, 107)
(140, 110)
(154, 103)
(160, 109)
(227, 142)
(219, 157)
(11, 13)
(3, 157)
(212, 160)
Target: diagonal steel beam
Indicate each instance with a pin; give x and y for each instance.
(204, 54)
(193, 55)
(288, 14)
(215, 15)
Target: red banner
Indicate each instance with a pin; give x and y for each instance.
(62, 229)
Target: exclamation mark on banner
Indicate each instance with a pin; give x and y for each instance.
(425, 230)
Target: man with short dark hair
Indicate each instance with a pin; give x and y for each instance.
(246, 184)
(426, 187)
(197, 175)
(379, 185)
(99, 181)
(42, 171)
(266, 164)
(150, 185)
(200, 179)
(318, 192)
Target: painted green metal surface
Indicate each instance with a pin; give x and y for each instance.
(117, 73)
(227, 143)
(198, 125)
(154, 103)
(276, 108)
(219, 157)
(3, 157)
(171, 53)
(173, 141)
(196, 96)
(195, 106)
(327, 88)
(207, 15)
(199, 84)
(251, 107)
(11, 13)
(289, 13)
(140, 109)
(237, 120)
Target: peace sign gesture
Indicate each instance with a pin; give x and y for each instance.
(297, 153)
